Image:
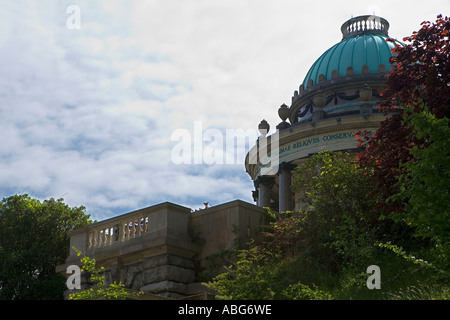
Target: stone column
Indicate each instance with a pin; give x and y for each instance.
(264, 185)
(284, 189)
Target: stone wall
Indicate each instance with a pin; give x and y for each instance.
(223, 228)
(166, 249)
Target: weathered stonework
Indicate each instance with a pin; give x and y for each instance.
(337, 99)
(165, 249)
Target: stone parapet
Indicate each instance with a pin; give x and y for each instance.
(162, 249)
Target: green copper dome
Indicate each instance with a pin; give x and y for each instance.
(363, 46)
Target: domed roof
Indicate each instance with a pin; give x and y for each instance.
(363, 44)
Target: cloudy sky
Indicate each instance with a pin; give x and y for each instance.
(91, 109)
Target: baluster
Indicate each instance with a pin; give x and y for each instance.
(130, 230)
(95, 235)
(116, 233)
(100, 238)
(106, 237)
(134, 228)
(138, 226)
(108, 241)
(92, 239)
(142, 225)
(124, 231)
(103, 232)
(90, 236)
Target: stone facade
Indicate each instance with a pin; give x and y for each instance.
(165, 249)
(337, 99)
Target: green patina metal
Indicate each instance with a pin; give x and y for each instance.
(362, 45)
(367, 49)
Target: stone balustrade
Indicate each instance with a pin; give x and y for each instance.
(118, 232)
(106, 233)
(364, 24)
(156, 249)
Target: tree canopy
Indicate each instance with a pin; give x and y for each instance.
(420, 75)
(389, 206)
(33, 241)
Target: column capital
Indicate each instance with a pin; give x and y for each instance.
(286, 166)
(267, 180)
(264, 185)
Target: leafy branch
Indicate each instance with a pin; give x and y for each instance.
(100, 291)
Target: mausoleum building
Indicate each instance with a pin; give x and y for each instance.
(168, 250)
(337, 98)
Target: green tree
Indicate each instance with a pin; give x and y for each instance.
(419, 73)
(337, 229)
(259, 274)
(33, 241)
(323, 251)
(340, 220)
(425, 186)
(100, 290)
(248, 278)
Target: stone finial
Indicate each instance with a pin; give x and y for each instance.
(319, 100)
(365, 93)
(283, 112)
(263, 127)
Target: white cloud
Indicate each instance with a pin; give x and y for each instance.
(88, 113)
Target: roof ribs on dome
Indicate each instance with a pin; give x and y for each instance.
(363, 49)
